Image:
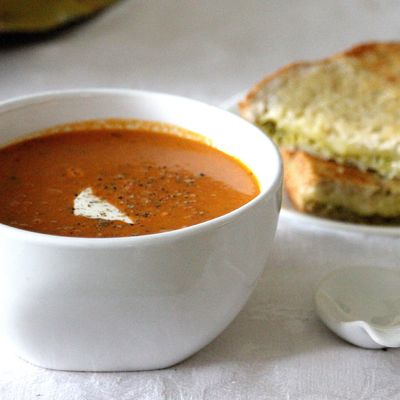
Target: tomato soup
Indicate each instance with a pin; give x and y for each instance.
(113, 179)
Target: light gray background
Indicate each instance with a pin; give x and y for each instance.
(210, 50)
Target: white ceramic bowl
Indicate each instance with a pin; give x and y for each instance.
(142, 302)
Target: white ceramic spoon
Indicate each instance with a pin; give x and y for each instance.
(362, 305)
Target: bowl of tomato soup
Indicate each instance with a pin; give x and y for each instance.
(133, 226)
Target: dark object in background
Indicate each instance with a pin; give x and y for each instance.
(31, 20)
(28, 16)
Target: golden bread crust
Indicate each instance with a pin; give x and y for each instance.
(339, 134)
(374, 56)
(338, 191)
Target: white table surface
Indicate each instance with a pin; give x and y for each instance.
(210, 50)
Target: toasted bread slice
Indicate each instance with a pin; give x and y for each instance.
(345, 108)
(339, 191)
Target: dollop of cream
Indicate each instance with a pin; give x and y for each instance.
(86, 204)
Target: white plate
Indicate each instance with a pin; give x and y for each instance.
(288, 211)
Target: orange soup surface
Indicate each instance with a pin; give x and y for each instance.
(155, 180)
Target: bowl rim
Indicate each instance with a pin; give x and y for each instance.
(265, 194)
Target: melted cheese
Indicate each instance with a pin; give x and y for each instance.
(338, 110)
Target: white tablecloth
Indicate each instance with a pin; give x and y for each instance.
(276, 348)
